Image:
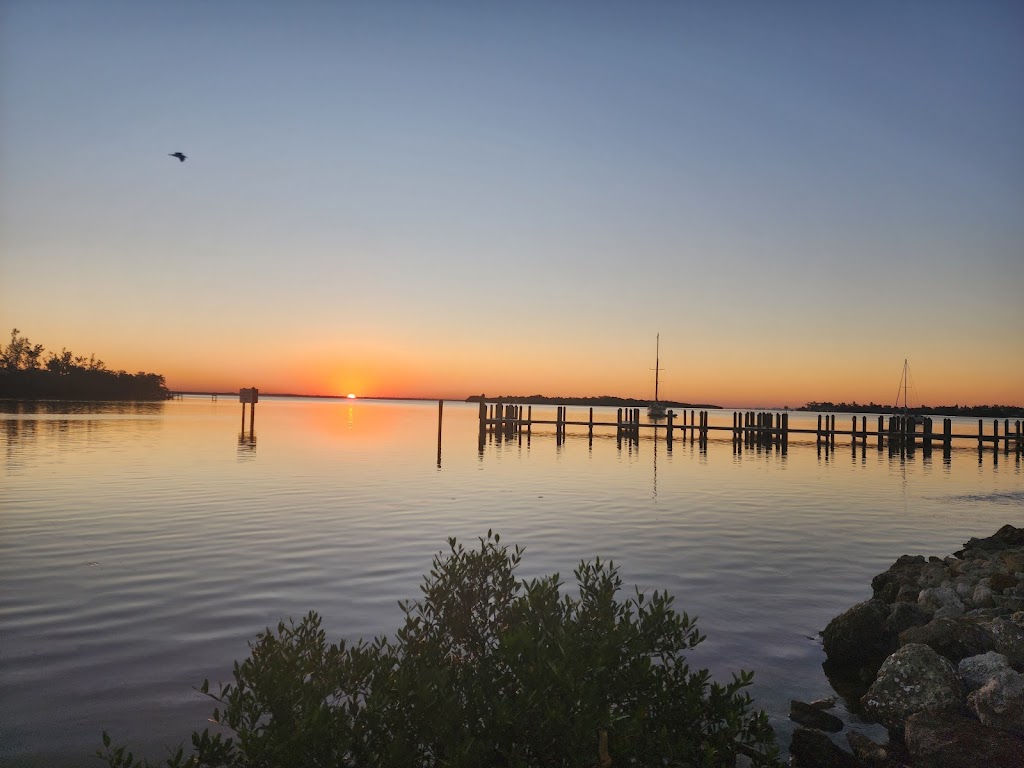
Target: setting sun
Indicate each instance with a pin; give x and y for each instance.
(350, 396)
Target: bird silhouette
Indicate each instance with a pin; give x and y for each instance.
(178, 155)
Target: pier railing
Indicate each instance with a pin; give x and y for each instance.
(900, 434)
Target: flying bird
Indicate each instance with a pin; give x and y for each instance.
(178, 155)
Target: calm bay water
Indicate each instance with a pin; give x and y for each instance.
(142, 546)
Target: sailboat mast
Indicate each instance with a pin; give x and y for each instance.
(657, 354)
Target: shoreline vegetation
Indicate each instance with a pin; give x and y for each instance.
(26, 374)
(487, 669)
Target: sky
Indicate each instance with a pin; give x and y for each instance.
(440, 199)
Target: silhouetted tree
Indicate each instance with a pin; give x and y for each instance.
(69, 377)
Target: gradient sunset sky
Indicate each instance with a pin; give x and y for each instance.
(438, 199)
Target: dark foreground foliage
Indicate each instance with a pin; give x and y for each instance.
(488, 670)
(25, 374)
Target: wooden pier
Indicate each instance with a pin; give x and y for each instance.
(756, 429)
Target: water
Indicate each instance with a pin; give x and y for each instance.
(143, 546)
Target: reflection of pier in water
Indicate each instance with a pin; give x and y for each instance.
(753, 429)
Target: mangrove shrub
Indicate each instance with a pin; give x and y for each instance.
(487, 670)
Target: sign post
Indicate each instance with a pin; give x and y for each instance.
(250, 396)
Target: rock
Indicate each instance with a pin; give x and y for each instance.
(942, 740)
(999, 581)
(999, 703)
(943, 599)
(1007, 639)
(982, 596)
(865, 749)
(858, 636)
(914, 679)
(978, 670)
(812, 749)
(1008, 603)
(903, 616)
(1006, 537)
(813, 717)
(953, 639)
(905, 571)
(1012, 561)
(933, 575)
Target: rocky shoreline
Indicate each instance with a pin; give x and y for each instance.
(936, 656)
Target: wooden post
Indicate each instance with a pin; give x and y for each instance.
(881, 421)
(995, 436)
(1006, 437)
(440, 412)
(817, 434)
(853, 434)
(590, 424)
(668, 429)
(785, 434)
(832, 421)
(692, 425)
(947, 436)
(981, 433)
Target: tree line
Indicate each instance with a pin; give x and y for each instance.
(27, 372)
(991, 411)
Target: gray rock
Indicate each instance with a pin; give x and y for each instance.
(982, 596)
(933, 575)
(978, 670)
(999, 703)
(865, 749)
(858, 635)
(941, 598)
(1000, 582)
(904, 572)
(1005, 538)
(1008, 639)
(953, 639)
(903, 616)
(814, 717)
(914, 679)
(813, 749)
(943, 740)
(1008, 603)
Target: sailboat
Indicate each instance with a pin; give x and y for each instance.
(904, 382)
(656, 410)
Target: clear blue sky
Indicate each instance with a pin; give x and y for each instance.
(442, 198)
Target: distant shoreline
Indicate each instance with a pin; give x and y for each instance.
(608, 401)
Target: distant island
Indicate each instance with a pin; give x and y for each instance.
(978, 411)
(27, 374)
(602, 401)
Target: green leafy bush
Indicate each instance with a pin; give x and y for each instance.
(488, 670)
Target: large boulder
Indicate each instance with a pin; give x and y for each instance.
(858, 636)
(813, 749)
(975, 671)
(941, 601)
(944, 740)
(953, 639)
(905, 572)
(913, 679)
(1000, 702)
(1007, 639)
(903, 616)
(814, 717)
(1006, 537)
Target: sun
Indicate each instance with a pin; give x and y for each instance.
(351, 396)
